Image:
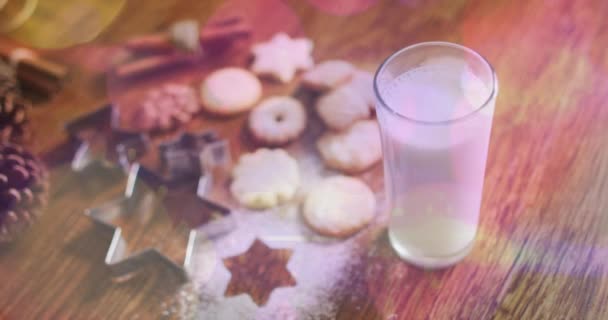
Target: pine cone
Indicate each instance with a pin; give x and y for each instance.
(23, 190)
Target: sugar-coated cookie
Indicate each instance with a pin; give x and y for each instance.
(162, 108)
(265, 178)
(353, 150)
(328, 75)
(277, 120)
(230, 91)
(339, 206)
(282, 56)
(342, 107)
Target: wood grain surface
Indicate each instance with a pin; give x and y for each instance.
(542, 247)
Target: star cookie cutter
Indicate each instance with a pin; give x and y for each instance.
(100, 141)
(201, 158)
(181, 159)
(139, 210)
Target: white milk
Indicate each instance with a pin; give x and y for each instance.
(435, 161)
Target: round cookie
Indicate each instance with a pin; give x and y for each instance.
(265, 178)
(339, 206)
(353, 150)
(342, 107)
(277, 120)
(328, 75)
(230, 91)
(363, 83)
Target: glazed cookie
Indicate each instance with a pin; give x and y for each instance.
(265, 178)
(230, 91)
(353, 150)
(328, 75)
(277, 120)
(340, 108)
(339, 206)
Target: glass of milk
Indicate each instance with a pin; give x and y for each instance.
(435, 103)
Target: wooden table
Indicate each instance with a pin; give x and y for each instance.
(542, 248)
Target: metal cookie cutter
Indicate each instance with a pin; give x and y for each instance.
(180, 159)
(152, 224)
(100, 141)
(194, 158)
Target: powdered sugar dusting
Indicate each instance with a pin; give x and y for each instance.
(317, 264)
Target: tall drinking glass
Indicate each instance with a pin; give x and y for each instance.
(435, 103)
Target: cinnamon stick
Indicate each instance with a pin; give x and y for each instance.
(34, 72)
(228, 20)
(46, 68)
(150, 64)
(25, 57)
(227, 29)
(158, 43)
(225, 34)
(31, 80)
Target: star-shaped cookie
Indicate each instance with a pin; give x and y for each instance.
(258, 272)
(282, 56)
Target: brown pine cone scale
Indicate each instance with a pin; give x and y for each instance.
(23, 190)
(13, 117)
